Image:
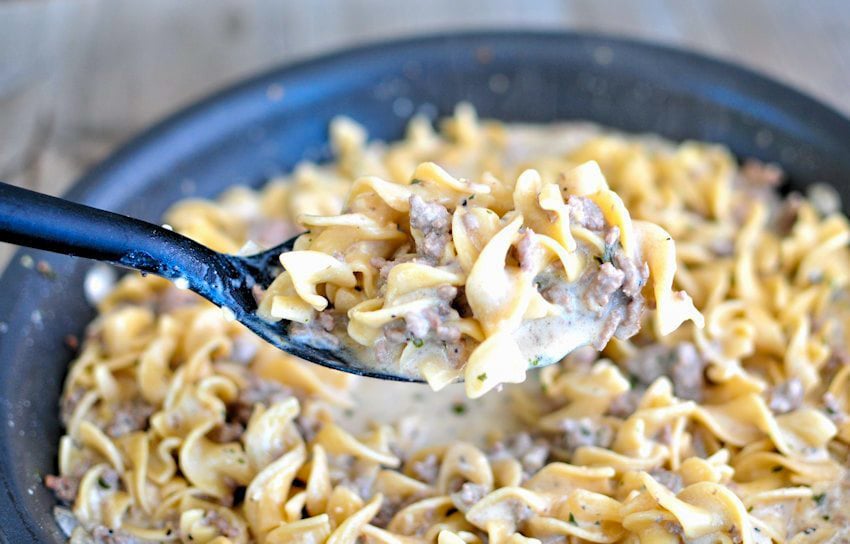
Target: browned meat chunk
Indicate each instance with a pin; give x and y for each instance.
(530, 452)
(612, 291)
(226, 432)
(427, 469)
(434, 222)
(631, 322)
(428, 323)
(389, 508)
(63, 487)
(786, 214)
(585, 213)
(315, 333)
(258, 391)
(635, 275)
(420, 324)
(326, 320)
(612, 323)
(384, 266)
(528, 252)
(129, 416)
(220, 524)
(584, 432)
(687, 372)
(468, 495)
(681, 363)
(625, 404)
(670, 480)
(605, 283)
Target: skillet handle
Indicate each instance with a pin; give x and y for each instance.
(36, 220)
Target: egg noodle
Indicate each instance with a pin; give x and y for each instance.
(182, 426)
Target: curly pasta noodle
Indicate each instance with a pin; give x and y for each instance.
(181, 426)
(472, 290)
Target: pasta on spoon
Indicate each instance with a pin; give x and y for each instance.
(442, 279)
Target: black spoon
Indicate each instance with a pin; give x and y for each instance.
(32, 219)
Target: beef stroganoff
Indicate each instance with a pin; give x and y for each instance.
(182, 426)
(439, 277)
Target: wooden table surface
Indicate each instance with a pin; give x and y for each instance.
(78, 77)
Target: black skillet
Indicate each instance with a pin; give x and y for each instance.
(264, 126)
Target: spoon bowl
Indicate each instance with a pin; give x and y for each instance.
(261, 269)
(40, 221)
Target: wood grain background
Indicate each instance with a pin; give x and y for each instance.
(79, 77)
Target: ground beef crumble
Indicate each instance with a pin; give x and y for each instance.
(585, 213)
(605, 283)
(221, 524)
(427, 469)
(626, 403)
(668, 479)
(531, 452)
(130, 416)
(468, 495)
(681, 363)
(63, 487)
(433, 221)
(424, 325)
(385, 266)
(584, 432)
(316, 333)
(527, 250)
(785, 214)
(226, 432)
(635, 274)
(258, 391)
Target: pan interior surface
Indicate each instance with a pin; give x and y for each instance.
(248, 134)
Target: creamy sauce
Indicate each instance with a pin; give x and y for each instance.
(547, 340)
(439, 416)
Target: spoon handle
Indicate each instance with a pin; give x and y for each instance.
(36, 220)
